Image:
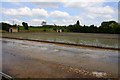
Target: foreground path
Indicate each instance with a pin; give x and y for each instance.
(27, 59)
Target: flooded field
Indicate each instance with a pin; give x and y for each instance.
(102, 40)
(39, 60)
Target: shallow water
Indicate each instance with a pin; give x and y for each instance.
(86, 58)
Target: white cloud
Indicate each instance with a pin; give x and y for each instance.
(60, 0)
(10, 0)
(64, 18)
(67, 21)
(35, 22)
(46, 4)
(62, 22)
(101, 10)
(6, 22)
(71, 0)
(83, 3)
(25, 11)
(78, 4)
(59, 14)
(91, 12)
(84, 0)
(17, 12)
(22, 11)
(17, 21)
(13, 21)
(39, 12)
(93, 7)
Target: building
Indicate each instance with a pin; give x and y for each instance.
(59, 30)
(14, 29)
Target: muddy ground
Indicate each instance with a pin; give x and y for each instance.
(28, 59)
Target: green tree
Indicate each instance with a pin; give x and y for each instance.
(5, 26)
(78, 23)
(109, 27)
(43, 23)
(25, 25)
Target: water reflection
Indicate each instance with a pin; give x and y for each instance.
(93, 59)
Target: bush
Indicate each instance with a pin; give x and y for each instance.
(44, 30)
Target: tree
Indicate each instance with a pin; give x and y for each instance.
(78, 23)
(43, 23)
(25, 25)
(109, 27)
(5, 26)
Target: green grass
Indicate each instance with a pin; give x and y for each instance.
(103, 40)
(36, 29)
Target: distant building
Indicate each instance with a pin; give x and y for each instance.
(59, 30)
(14, 29)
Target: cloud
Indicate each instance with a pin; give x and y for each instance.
(62, 22)
(17, 21)
(71, 0)
(13, 21)
(18, 12)
(101, 10)
(46, 4)
(11, 0)
(67, 21)
(25, 11)
(79, 4)
(35, 22)
(60, 1)
(91, 12)
(6, 22)
(39, 12)
(93, 7)
(59, 14)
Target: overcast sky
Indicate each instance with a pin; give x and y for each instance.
(62, 12)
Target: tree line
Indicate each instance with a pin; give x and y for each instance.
(106, 27)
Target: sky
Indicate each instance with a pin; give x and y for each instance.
(61, 12)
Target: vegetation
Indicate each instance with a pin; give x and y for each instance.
(5, 26)
(103, 40)
(43, 23)
(105, 27)
(25, 25)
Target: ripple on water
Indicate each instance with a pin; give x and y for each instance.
(44, 48)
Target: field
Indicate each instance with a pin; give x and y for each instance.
(102, 40)
(30, 59)
(36, 29)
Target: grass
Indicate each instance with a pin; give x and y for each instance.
(103, 40)
(37, 29)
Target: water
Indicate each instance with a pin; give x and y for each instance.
(91, 59)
